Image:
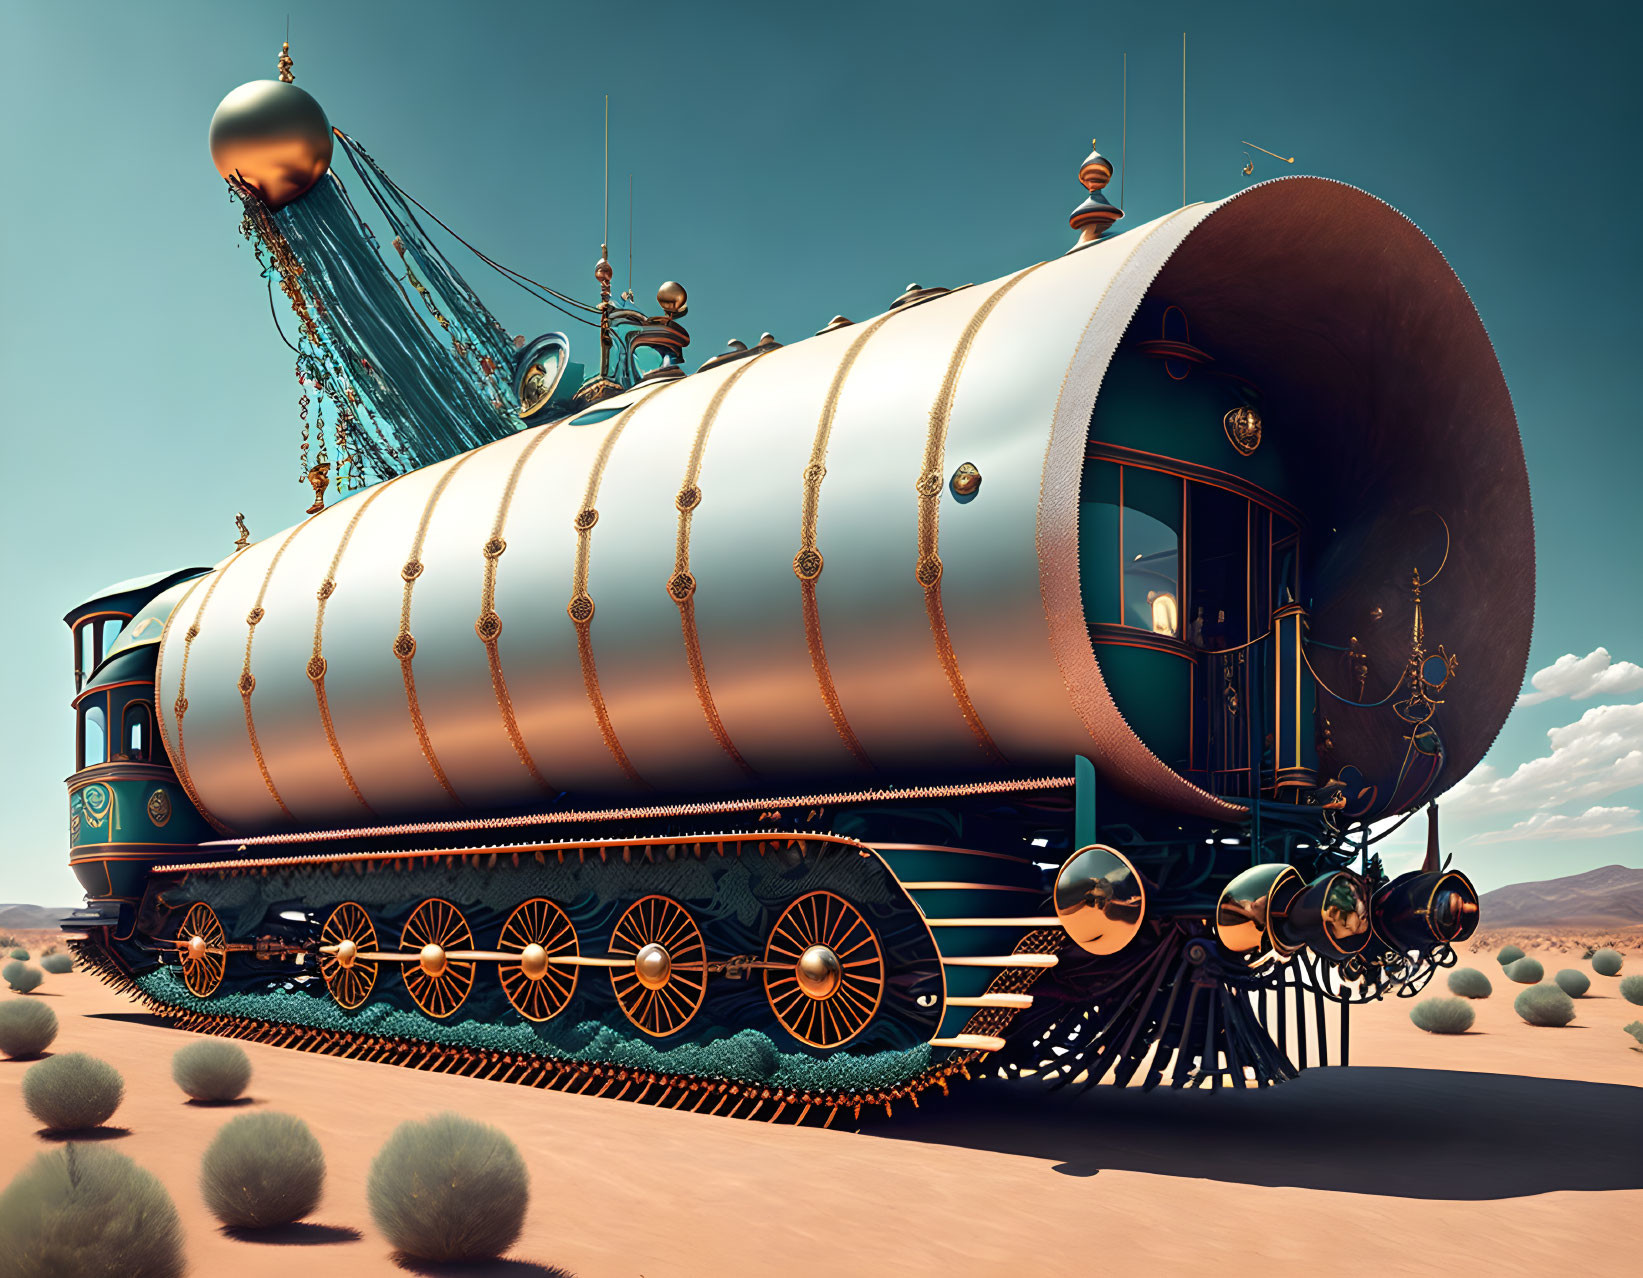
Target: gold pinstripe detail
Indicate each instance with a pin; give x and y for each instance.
(316, 663)
(681, 586)
(808, 563)
(927, 566)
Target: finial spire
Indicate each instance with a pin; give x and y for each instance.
(1092, 218)
(285, 63)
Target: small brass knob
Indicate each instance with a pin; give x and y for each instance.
(347, 953)
(653, 965)
(671, 297)
(819, 972)
(197, 948)
(433, 960)
(966, 480)
(533, 962)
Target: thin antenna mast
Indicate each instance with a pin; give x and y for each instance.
(630, 237)
(1124, 143)
(1183, 119)
(606, 237)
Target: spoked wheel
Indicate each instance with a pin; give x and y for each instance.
(200, 942)
(836, 977)
(436, 982)
(538, 932)
(347, 934)
(668, 979)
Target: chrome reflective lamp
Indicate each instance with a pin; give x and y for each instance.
(1003, 681)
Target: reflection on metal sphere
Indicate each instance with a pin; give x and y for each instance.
(819, 972)
(1100, 899)
(671, 298)
(433, 960)
(274, 136)
(347, 953)
(533, 962)
(1244, 916)
(653, 965)
(197, 948)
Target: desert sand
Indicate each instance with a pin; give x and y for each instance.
(1508, 1150)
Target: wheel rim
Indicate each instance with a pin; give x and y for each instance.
(202, 965)
(349, 984)
(665, 1008)
(543, 924)
(438, 988)
(822, 921)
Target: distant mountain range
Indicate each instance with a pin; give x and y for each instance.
(32, 916)
(1610, 897)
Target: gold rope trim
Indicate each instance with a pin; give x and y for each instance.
(488, 625)
(179, 763)
(927, 567)
(180, 707)
(681, 586)
(316, 663)
(248, 683)
(404, 646)
(808, 563)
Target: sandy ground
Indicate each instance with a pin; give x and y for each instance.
(1509, 1150)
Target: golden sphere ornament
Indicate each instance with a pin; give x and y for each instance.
(272, 136)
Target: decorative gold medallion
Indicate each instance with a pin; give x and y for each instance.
(405, 646)
(586, 519)
(681, 586)
(807, 564)
(316, 668)
(689, 497)
(1243, 427)
(159, 807)
(580, 609)
(488, 627)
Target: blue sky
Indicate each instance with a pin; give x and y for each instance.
(792, 162)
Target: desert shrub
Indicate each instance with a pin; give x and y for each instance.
(1442, 1015)
(21, 977)
(1607, 962)
(7, 940)
(27, 1027)
(1631, 989)
(262, 1170)
(86, 1210)
(1635, 1029)
(1508, 954)
(1525, 971)
(19, 953)
(1468, 982)
(57, 964)
(449, 1189)
(71, 1092)
(211, 1070)
(1573, 983)
(1544, 1005)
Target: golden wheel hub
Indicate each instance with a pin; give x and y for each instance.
(433, 960)
(819, 972)
(197, 947)
(653, 965)
(347, 953)
(533, 961)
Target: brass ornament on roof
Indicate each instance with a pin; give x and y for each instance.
(1097, 213)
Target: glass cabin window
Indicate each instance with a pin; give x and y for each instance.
(87, 640)
(139, 727)
(1098, 566)
(1151, 551)
(94, 737)
(1219, 569)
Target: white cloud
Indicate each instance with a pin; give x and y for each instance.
(1579, 678)
(1593, 823)
(1599, 754)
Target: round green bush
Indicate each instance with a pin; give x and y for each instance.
(211, 1070)
(1631, 989)
(1442, 1015)
(21, 977)
(449, 1189)
(1635, 1029)
(72, 1092)
(1607, 962)
(57, 964)
(1573, 983)
(20, 953)
(1468, 982)
(1544, 1005)
(1526, 971)
(1508, 954)
(27, 1027)
(262, 1170)
(86, 1210)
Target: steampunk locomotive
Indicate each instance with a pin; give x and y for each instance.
(1004, 683)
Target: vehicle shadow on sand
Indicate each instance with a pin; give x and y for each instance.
(1404, 1133)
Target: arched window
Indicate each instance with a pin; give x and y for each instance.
(93, 737)
(137, 729)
